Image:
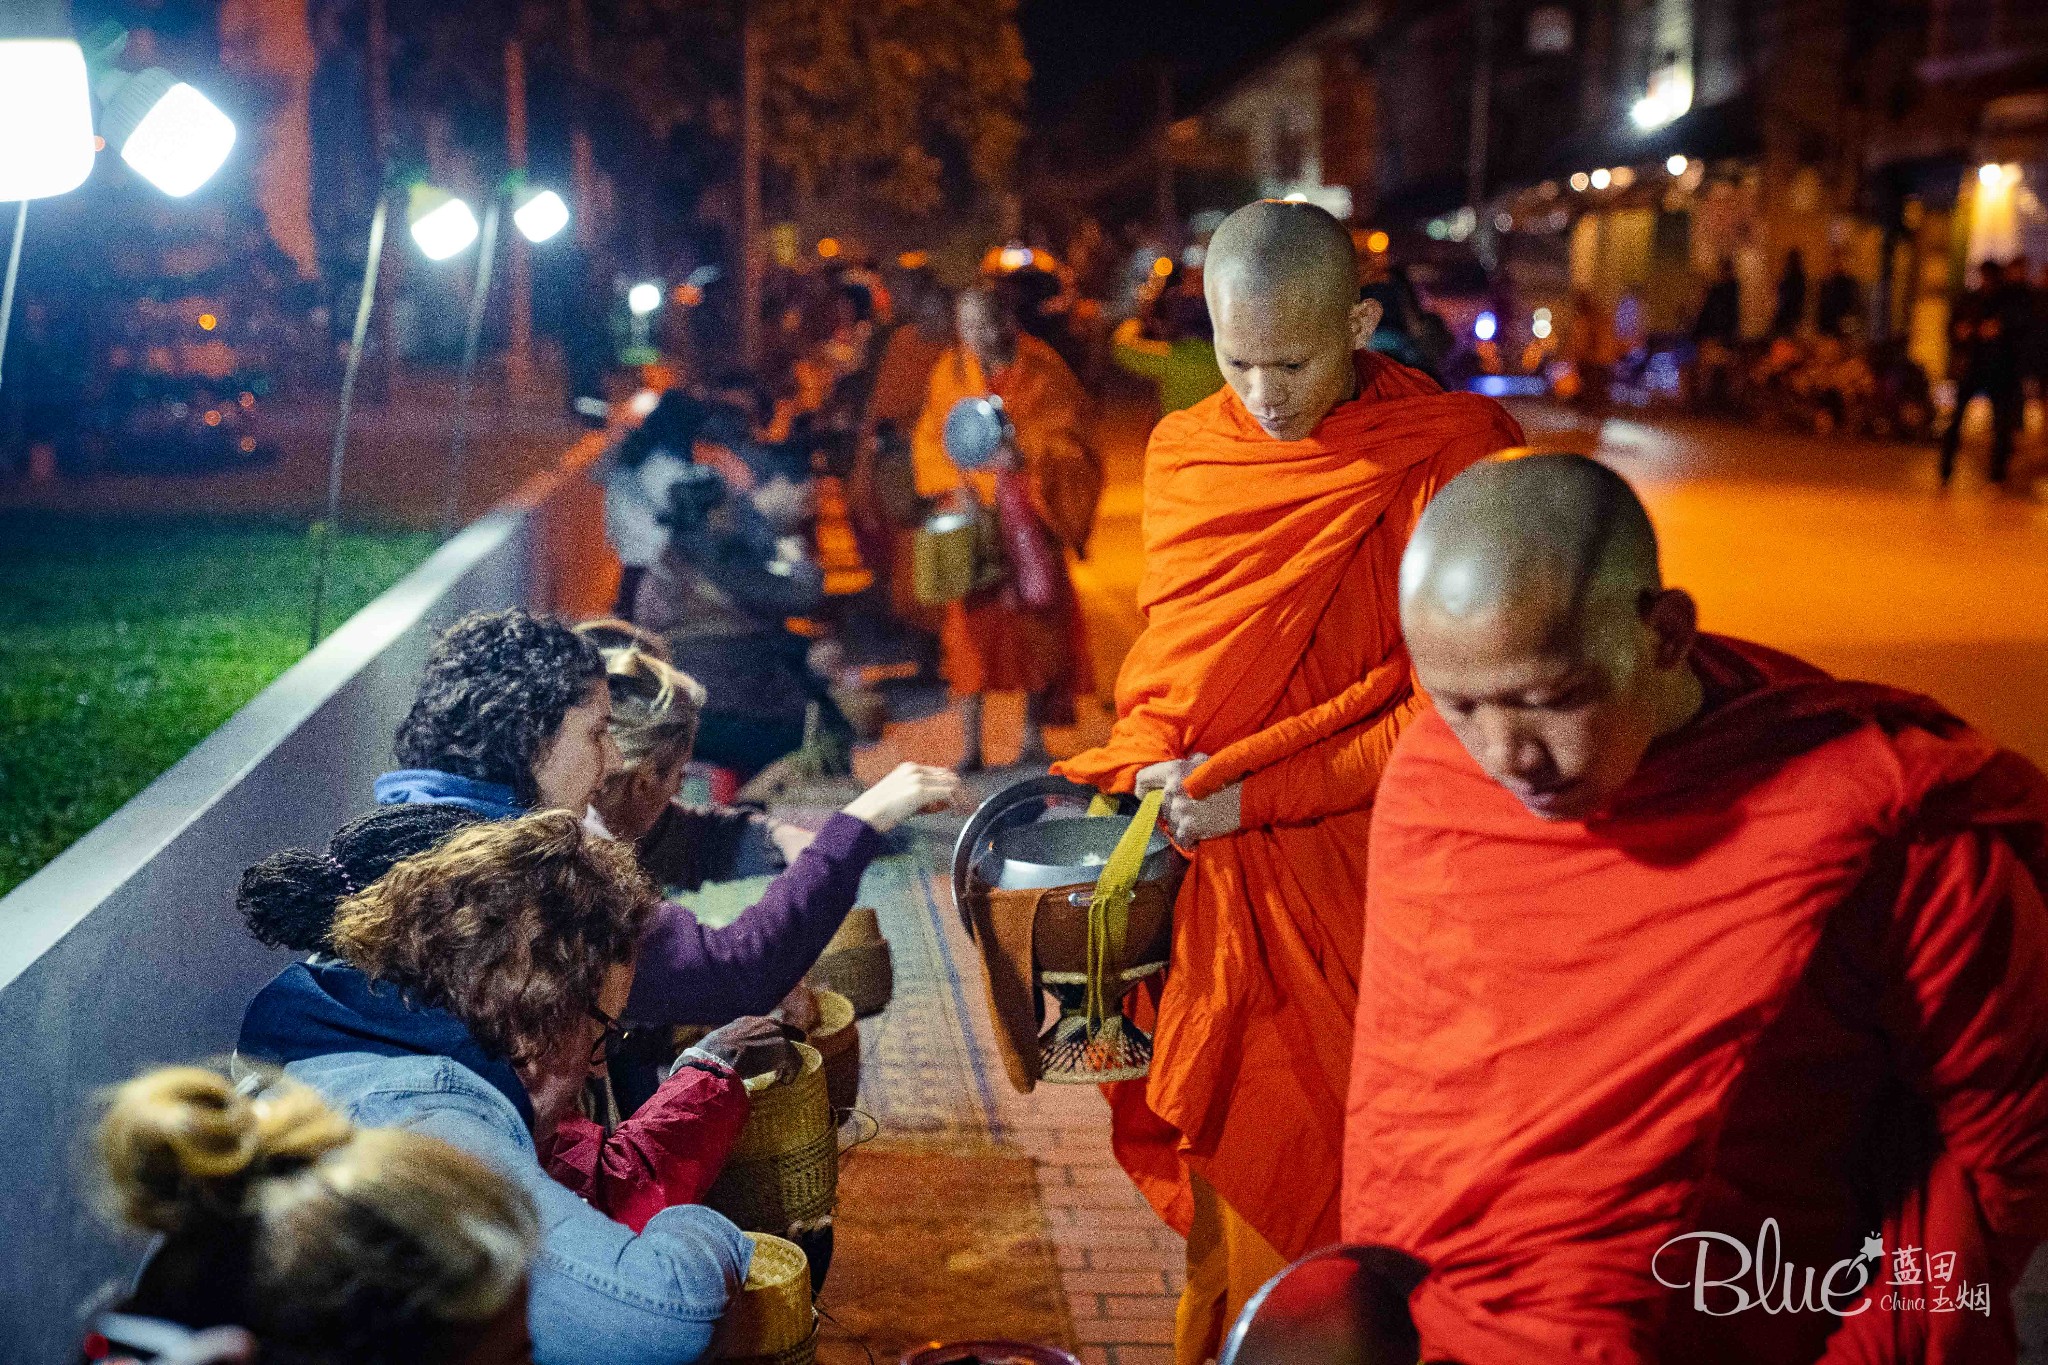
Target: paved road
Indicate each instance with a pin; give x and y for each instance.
(1849, 554)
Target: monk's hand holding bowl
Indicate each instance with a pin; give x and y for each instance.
(1190, 821)
(1166, 776)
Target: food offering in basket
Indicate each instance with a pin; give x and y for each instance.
(836, 1035)
(771, 1321)
(1067, 892)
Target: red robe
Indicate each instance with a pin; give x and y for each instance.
(1800, 973)
(1272, 643)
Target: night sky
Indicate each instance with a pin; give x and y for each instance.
(1090, 57)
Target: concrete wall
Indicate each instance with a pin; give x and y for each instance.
(126, 952)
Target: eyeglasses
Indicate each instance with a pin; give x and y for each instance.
(608, 1043)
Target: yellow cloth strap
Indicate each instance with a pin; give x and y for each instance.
(1109, 911)
(1103, 804)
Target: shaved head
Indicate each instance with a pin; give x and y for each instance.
(1538, 620)
(1537, 533)
(1274, 247)
(1282, 285)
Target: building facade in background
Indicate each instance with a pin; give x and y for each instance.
(1627, 148)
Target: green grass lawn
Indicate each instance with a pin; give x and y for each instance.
(123, 643)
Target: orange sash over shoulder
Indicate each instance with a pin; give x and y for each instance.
(1272, 644)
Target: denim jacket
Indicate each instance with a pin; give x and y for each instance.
(600, 1295)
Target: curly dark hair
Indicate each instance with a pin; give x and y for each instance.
(289, 899)
(510, 926)
(497, 686)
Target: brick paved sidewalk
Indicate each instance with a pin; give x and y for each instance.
(929, 1067)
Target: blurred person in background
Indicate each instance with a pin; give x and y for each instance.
(1173, 347)
(1838, 306)
(1016, 636)
(637, 477)
(328, 1244)
(1790, 312)
(1986, 336)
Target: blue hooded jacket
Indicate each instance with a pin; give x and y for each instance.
(432, 787)
(599, 1294)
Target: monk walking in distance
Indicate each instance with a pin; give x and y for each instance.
(1704, 1008)
(1264, 694)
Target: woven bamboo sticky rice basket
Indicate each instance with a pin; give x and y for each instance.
(784, 1169)
(856, 963)
(837, 1038)
(771, 1320)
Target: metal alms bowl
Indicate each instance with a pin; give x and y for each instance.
(1067, 853)
(975, 429)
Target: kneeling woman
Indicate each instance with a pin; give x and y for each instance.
(473, 994)
(516, 713)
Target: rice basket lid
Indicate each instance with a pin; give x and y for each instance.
(835, 1016)
(772, 1311)
(861, 928)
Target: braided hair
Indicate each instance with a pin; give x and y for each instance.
(288, 900)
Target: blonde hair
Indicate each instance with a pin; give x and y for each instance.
(330, 1242)
(655, 706)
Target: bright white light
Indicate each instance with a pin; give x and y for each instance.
(1485, 326)
(541, 216)
(644, 402)
(1601, 178)
(1580, 180)
(1295, 198)
(643, 299)
(445, 230)
(1540, 329)
(180, 142)
(46, 143)
(1669, 97)
(1676, 164)
(1542, 315)
(1991, 175)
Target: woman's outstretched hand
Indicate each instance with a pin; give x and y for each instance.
(911, 790)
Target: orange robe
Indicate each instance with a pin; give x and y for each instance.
(1272, 643)
(1799, 973)
(992, 642)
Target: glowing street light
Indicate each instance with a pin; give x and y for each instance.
(168, 133)
(442, 225)
(1601, 178)
(1676, 164)
(539, 214)
(1486, 326)
(46, 138)
(643, 298)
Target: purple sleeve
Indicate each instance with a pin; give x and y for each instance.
(690, 974)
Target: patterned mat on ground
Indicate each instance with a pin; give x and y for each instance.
(938, 1242)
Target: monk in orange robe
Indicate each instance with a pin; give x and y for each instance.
(1274, 516)
(878, 497)
(996, 640)
(1704, 1005)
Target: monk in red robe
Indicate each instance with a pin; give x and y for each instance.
(1265, 693)
(1045, 486)
(1704, 1008)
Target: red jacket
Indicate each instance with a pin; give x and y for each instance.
(668, 1153)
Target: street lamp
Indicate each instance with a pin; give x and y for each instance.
(167, 132)
(442, 225)
(46, 144)
(539, 214)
